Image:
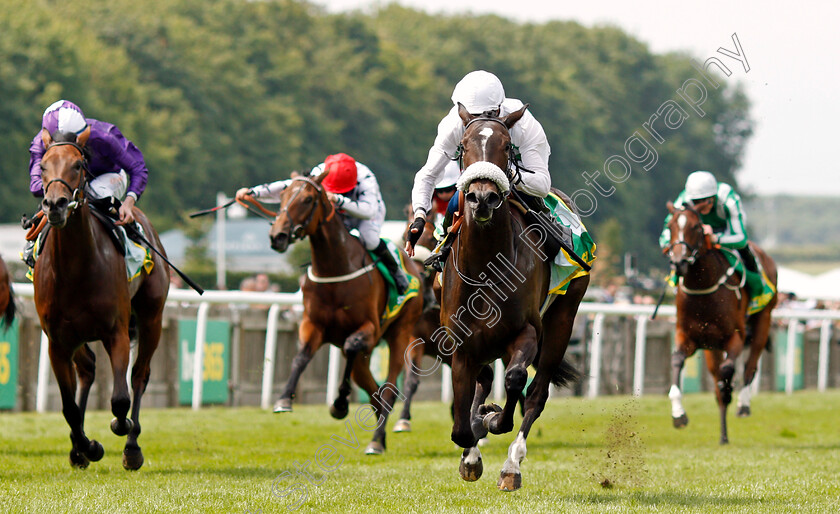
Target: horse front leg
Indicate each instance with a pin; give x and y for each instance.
(757, 337)
(410, 384)
(714, 359)
(521, 354)
(149, 329)
(360, 342)
(311, 338)
(118, 347)
(464, 377)
(684, 350)
(84, 450)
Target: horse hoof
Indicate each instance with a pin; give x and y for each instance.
(78, 460)
(744, 411)
(493, 423)
(95, 451)
(490, 408)
(123, 427)
(132, 459)
(283, 405)
(375, 448)
(681, 421)
(724, 440)
(402, 425)
(471, 472)
(509, 481)
(339, 412)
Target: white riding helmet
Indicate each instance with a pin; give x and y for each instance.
(450, 175)
(479, 91)
(700, 184)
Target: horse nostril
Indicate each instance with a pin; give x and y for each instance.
(62, 202)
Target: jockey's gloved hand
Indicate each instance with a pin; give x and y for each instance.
(415, 230)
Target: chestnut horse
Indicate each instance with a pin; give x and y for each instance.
(7, 296)
(494, 285)
(712, 314)
(82, 294)
(343, 301)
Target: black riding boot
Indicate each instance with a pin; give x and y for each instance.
(437, 259)
(748, 258)
(755, 284)
(555, 232)
(387, 259)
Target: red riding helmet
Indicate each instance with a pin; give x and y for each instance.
(342, 176)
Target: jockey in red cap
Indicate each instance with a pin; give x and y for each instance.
(354, 191)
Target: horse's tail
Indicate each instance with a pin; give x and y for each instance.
(566, 375)
(11, 308)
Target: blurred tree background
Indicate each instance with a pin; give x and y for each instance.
(228, 93)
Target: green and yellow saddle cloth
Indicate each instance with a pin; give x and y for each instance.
(758, 286)
(564, 269)
(137, 256)
(395, 301)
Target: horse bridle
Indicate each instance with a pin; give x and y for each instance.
(296, 233)
(76, 192)
(514, 158)
(694, 253)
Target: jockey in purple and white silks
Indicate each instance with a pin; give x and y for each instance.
(116, 164)
(353, 189)
(481, 92)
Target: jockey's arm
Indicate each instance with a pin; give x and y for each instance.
(735, 235)
(268, 193)
(36, 152)
(442, 151)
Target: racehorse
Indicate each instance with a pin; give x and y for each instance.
(7, 296)
(494, 284)
(712, 313)
(82, 294)
(343, 300)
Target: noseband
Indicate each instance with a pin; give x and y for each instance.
(77, 192)
(297, 231)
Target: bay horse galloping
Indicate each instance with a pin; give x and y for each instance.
(82, 294)
(494, 285)
(344, 298)
(712, 315)
(7, 296)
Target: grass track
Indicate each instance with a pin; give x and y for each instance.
(785, 458)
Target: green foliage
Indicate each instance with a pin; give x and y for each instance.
(228, 93)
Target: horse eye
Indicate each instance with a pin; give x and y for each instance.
(471, 197)
(307, 200)
(77, 166)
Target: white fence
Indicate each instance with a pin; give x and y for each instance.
(600, 311)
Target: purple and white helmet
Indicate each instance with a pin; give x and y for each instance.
(64, 116)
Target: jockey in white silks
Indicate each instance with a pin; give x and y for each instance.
(480, 92)
(353, 189)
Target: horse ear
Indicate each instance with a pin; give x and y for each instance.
(320, 178)
(511, 119)
(46, 138)
(464, 113)
(671, 208)
(82, 138)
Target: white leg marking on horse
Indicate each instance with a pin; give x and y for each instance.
(516, 453)
(676, 401)
(745, 396)
(473, 456)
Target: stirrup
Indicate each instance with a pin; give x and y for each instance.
(437, 259)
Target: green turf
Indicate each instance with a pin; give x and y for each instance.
(785, 458)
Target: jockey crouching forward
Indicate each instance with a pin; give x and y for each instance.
(353, 189)
(480, 92)
(724, 221)
(116, 168)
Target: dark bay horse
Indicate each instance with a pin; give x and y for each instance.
(494, 285)
(343, 300)
(82, 294)
(7, 296)
(712, 314)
